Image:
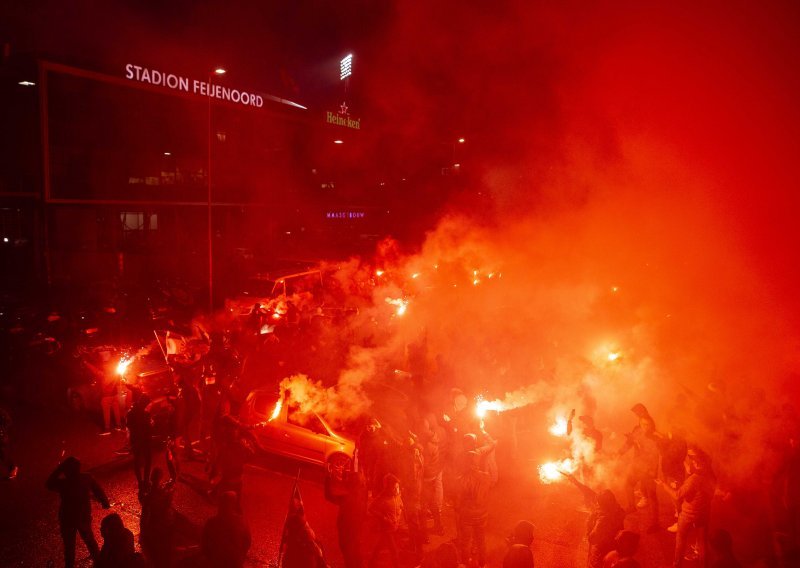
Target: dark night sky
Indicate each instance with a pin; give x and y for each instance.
(716, 84)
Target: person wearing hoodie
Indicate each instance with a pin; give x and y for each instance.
(75, 510)
(387, 510)
(606, 519)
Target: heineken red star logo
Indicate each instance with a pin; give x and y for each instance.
(343, 109)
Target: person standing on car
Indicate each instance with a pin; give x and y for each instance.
(75, 511)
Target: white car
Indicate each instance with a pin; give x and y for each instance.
(287, 431)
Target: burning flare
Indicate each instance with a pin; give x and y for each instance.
(484, 406)
(122, 366)
(550, 472)
(559, 428)
(277, 410)
(401, 304)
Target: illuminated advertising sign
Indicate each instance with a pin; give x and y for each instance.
(345, 214)
(342, 118)
(194, 86)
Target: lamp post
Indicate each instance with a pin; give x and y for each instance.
(218, 71)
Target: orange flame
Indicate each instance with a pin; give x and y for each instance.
(484, 406)
(122, 366)
(401, 304)
(550, 472)
(277, 410)
(559, 428)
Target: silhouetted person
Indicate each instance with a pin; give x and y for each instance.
(300, 548)
(349, 492)
(519, 554)
(188, 405)
(75, 511)
(722, 545)
(695, 495)
(410, 470)
(432, 439)
(118, 549)
(226, 536)
(140, 431)
(372, 447)
(644, 468)
(605, 521)
(157, 520)
(387, 510)
(472, 509)
(626, 543)
(235, 445)
(672, 448)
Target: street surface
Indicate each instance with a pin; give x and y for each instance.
(29, 531)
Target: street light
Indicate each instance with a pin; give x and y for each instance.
(219, 71)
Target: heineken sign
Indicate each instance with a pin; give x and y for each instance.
(342, 118)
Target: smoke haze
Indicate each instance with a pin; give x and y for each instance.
(641, 235)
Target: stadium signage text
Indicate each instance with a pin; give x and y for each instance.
(194, 86)
(345, 214)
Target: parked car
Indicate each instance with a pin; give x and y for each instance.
(287, 431)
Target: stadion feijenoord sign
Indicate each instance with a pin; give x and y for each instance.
(194, 86)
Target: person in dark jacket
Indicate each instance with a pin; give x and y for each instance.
(372, 447)
(695, 495)
(643, 470)
(226, 536)
(472, 509)
(519, 554)
(157, 520)
(605, 521)
(387, 510)
(140, 432)
(188, 405)
(626, 543)
(118, 549)
(75, 511)
(432, 440)
(349, 492)
(410, 470)
(672, 448)
(722, 545)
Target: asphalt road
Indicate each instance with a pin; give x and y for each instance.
(43, 433)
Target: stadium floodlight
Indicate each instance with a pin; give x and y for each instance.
(346, 67)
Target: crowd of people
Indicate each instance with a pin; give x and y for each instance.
(430, 475)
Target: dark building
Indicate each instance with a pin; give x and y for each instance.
(124, 177)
